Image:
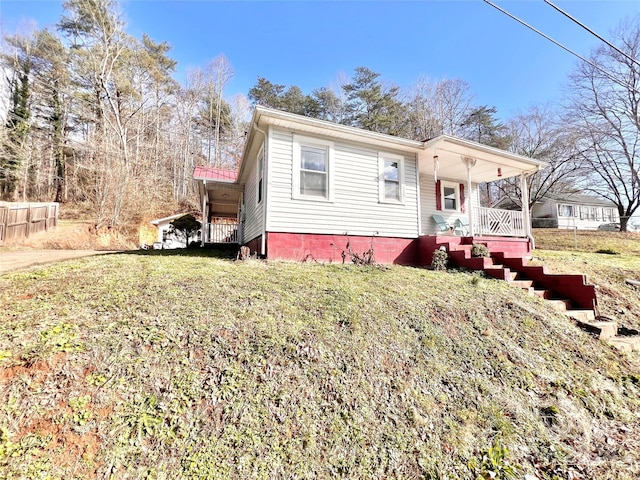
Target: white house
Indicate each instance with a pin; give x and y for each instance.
(571, 210)
(306, 185)
(167, 238)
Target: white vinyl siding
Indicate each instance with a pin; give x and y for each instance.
(428, 204)
(354, 205)
(253, 213)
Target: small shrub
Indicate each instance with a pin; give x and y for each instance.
(440, 260)
(479, 250)
(607, 251)
(366, 258)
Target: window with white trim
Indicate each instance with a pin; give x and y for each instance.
(565, 210)
(450, 196)
(391, 177)
(312, 161)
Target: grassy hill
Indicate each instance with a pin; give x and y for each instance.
(156, 365)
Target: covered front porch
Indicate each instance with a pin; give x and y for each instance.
(451, 170)
(221, 205)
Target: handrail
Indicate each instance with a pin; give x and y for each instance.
(494, 221)
(222, 232)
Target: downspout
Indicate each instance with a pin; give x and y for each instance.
(263, 243)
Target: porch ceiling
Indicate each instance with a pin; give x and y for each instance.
(223, 198)
(452, 152)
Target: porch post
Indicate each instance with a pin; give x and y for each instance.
(204, 214)
(470, 163)
(526, 215)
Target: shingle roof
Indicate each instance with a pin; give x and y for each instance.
(579, 198)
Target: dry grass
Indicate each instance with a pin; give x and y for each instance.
(170, 366)
(618, 260)
(587, 240)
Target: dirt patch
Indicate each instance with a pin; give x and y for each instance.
(37, 370)
(73, 235)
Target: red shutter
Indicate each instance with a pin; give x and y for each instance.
(462, 198)
(438, 195)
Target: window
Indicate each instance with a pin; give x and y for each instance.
(584, 213)
(391, 177)
(450, 196)
(260, 174)
(312, 160)
(313, 171)
(565, 210)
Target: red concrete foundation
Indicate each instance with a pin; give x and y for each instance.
(387, 250)
(330, 248)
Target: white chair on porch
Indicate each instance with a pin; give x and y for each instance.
(461, 227)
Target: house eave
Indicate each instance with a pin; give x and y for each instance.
(491, 163)
(446, 157)
(269, 117)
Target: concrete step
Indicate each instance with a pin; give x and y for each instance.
(495, 265)
(526, 284)
(543, 293)
(561, 304)
(625, 344)
(604, 330)
(499, 273)
(581, 315)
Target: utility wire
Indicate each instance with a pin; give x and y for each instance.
(626, 55)
(607, 74)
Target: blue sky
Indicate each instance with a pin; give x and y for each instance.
(309, 43)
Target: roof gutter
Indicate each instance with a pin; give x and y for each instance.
(461, 142)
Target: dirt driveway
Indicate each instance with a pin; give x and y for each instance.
(18, 259)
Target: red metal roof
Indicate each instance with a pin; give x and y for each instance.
(217, 174)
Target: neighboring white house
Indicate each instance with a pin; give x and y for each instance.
(304, 183)
(168, 239)
(573, 210)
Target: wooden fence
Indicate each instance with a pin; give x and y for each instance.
(19, 220)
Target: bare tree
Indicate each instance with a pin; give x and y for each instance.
(221, 72)
(437, 107)
(605, 110)
(540, 134)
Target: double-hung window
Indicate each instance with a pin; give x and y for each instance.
(391, 177)
(450, 196)
(314, 171)
(312, 168)
(565, 210)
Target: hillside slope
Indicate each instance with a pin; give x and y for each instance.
(165, 366)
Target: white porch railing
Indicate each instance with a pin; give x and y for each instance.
(493, 221)
(221, 232)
